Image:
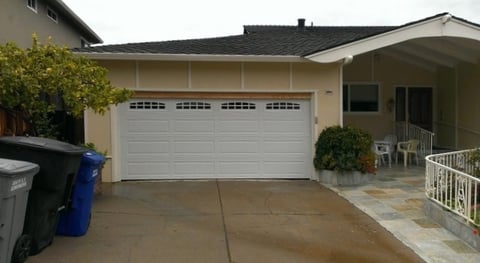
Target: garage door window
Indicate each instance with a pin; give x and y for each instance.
(238, 105)
(147, 105)
(282, 106)
(193, 105)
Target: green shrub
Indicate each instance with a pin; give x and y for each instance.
(344, 149)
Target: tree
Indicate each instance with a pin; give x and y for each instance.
(33, 82)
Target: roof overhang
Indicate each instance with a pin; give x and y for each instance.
(76, 21)
(190, 57)
(446, 53)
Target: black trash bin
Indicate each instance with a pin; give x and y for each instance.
(51, 187)
(15, 182)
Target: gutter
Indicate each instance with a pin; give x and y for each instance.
(190, 57)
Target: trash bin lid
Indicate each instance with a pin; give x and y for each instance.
(93, 157)
(40, 143)
(12, 167)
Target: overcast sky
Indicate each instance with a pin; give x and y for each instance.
(157, 20)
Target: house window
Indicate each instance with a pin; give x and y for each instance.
(147, 105)
(238, 105)
(283, 106)
(32, 4)
(361, 97)
(193, 105)
(84, 43)
(52, 14)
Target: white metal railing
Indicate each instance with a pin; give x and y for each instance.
(406, 131)
(451, 183)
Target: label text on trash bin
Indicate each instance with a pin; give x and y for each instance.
(94, 173)
(19, 183)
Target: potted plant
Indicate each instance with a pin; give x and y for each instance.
(344, 156)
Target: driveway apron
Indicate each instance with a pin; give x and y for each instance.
(227, 221)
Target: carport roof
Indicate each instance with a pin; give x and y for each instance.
(322, 44)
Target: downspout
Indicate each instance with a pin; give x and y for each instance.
(345, 61)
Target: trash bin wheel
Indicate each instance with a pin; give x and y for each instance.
(21, 251)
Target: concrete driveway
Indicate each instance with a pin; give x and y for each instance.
(227, 221)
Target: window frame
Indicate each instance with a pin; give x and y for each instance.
(238, 106)
(32, 5)
(193, 105)
(349, 86)
(147, 105)
(84, 42)
(55, 14)
(283, 106)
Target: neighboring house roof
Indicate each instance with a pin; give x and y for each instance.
(287, 42)
(81, 26)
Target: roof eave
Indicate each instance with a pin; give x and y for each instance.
(191, 57)
(87, 32)
(438, 26)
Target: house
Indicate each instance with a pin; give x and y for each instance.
(19, 20)
(252, 105)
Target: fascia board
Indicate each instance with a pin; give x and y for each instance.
(432, 28)
(190, 57)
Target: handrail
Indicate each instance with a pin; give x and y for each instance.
(449, 182)
(406, 131)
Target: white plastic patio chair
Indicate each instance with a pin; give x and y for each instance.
(382, 149)
(408, 148)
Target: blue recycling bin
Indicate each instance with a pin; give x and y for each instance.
(75, 219)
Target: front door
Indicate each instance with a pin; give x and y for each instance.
(414, 104)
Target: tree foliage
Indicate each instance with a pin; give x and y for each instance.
(33, 82)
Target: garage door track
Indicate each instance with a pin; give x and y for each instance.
(227, 221)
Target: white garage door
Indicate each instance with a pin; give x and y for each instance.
(194, 139)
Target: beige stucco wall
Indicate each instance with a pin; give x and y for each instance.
(18, 23)
(388, 73)
(468, 106)
(445, 130)
(250, 77)
(458, 110)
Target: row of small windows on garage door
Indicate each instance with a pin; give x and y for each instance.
(196, 105)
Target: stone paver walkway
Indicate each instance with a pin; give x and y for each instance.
(395, 199)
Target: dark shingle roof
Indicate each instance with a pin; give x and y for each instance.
(258, 40)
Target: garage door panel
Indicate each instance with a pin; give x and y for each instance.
(285, 126)
(148, 147)
(148, 157)
(244, 168)
(284, 167)
(148, 168)
(216, 139)
(238, 147)
(204, 167)
(194, 126)
(284, 147)
(151, 126)
(237, 126)
(148, 116)
(193, 147)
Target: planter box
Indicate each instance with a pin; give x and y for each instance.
(352, 178)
